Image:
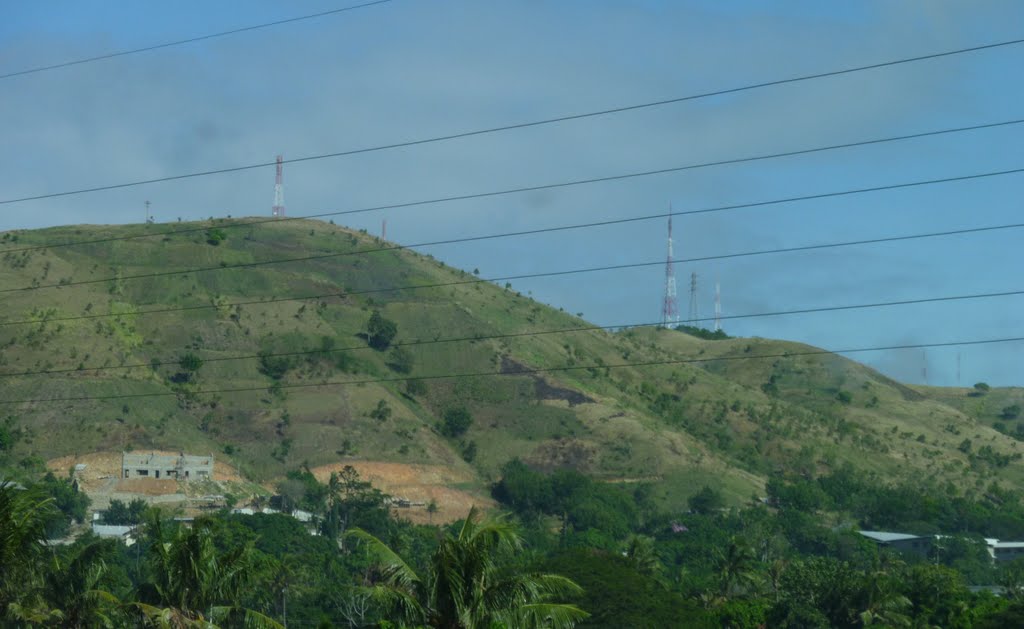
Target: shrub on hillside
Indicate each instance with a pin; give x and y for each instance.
(380, 331)
(456, 422)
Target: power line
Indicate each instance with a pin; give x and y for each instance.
(246, 265)
(738, 160)
(477, 280)
(491, 337)
(522, 372)
(190, 40)
(523, 125)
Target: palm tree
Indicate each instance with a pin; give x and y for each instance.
(883, 604)
(467, 587)
(23, 517)
(641, 553)
(735, 568)
(193, 584)
(74, 587)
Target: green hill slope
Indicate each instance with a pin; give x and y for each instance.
(729, 422)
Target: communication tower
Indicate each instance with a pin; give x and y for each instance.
(670, 303)
(278, 209)
(694, 315)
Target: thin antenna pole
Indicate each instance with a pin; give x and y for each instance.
(670, 302)
(149, 219)
(278, 209)
(384, 229)
(694, 314)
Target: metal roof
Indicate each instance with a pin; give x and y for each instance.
(883, 536)
(111, 530)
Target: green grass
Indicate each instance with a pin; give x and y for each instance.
(725, 423)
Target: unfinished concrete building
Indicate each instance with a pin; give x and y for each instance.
(176, 467)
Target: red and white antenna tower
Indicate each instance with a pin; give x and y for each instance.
(278, 209)
(718, 305)
(670, 305)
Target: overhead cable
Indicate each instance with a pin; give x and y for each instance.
(524, 125)
(722, 208)
(519, 372)
(190, 40)
(508, 278)
(510, 335)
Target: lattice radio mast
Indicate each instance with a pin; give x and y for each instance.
(670, 304)
(694, 315)
(278, 209)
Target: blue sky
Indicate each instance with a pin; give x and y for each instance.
(417, 68)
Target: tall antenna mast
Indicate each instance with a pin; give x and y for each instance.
(694, 315)
(384, 229)
(278, 209)
(958, 369)
(670, 303)
(924, 366)
(149, 217)
(718, 305)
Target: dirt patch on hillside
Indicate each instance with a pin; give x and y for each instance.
(146, 486)
(417, 484)
(542, 388)
(102, 473)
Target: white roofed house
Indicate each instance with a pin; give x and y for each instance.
(1004, 551)
(901, 542)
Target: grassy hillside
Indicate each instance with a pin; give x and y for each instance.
(729, 422)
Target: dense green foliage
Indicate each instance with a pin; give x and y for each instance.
(703, 333)
(796, 561)
(70, 504)
(120, 513)
(380, 331)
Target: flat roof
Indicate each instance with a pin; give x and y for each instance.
(164, 460)
(884, 536)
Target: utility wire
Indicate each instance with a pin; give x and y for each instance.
(524, 125)
(510, 335)
(190, 40)
(738, 160)
(525, 371)
(478, 280)
(323, 256)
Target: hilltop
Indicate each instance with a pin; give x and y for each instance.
(711, 413)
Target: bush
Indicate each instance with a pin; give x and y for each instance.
(190, 362)
(274, 366)
(1011, 412)
(401, 360)
(706, 501)
(456, 422)
(125, 514)
(215, 236)
(380, 331)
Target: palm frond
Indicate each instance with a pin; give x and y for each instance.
(249, 619)
(548, 616)
(393, 568)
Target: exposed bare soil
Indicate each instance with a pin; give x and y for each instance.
(418, 484)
